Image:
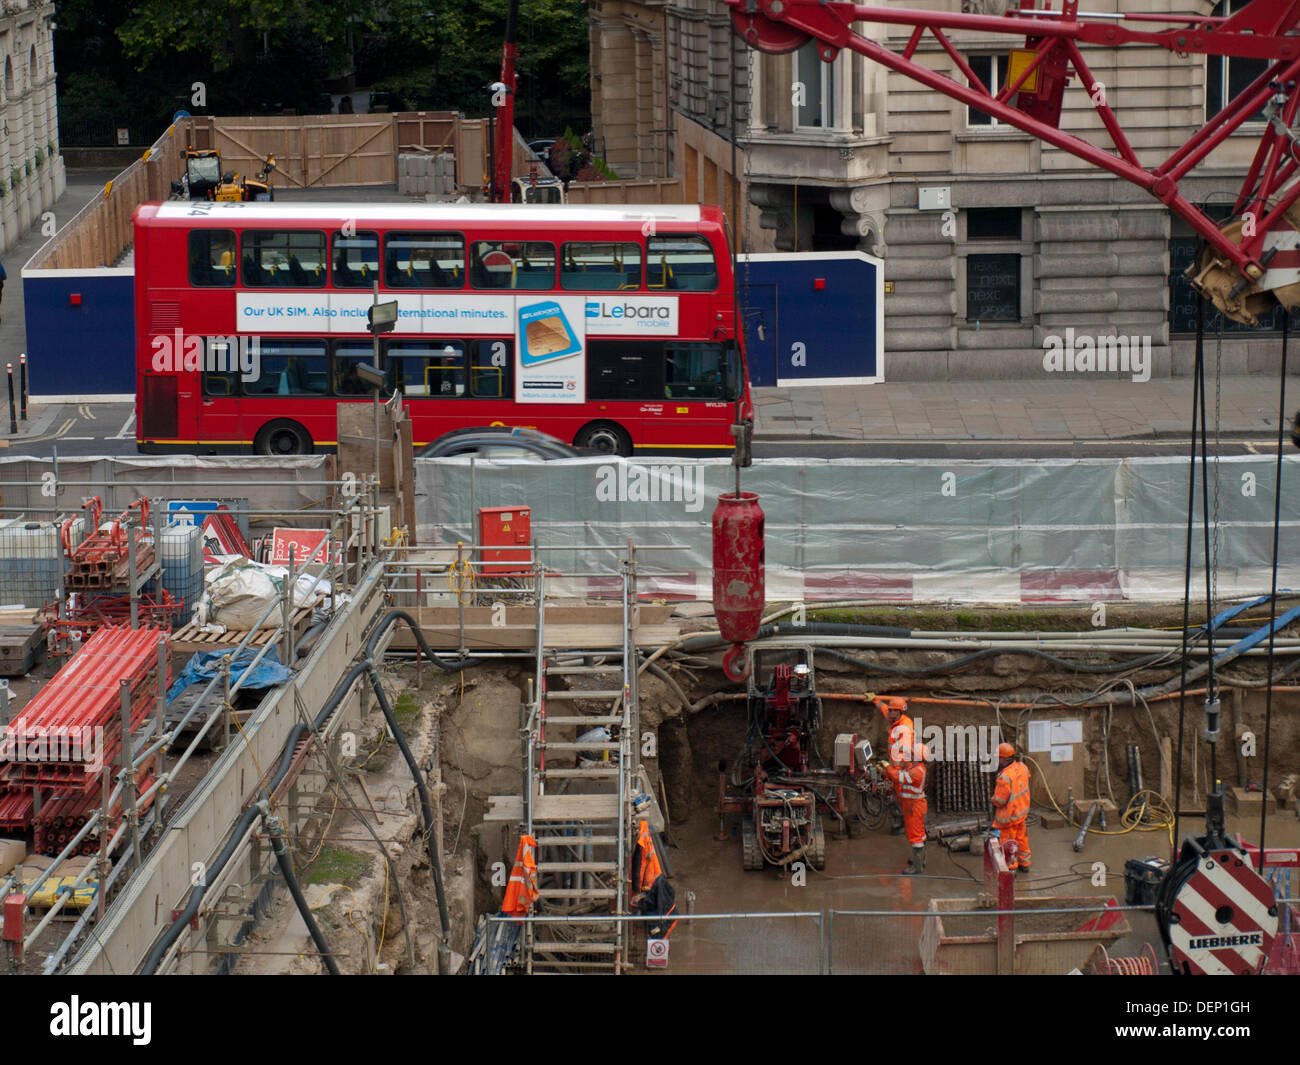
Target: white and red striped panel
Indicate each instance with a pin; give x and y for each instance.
(1226, 917)
(932, 586)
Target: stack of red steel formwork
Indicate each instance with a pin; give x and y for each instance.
(100, 573)
(15, 809)
(62, 818)
(101, 562)
(70, 734)
(88, 611)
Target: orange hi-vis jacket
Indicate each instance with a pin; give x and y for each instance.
(1011, 795)
(909, 779)
(650, 867)
(522, 891)
(901, 738)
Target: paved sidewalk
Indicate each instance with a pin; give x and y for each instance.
(1064, 409)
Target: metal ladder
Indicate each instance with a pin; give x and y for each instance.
(580, 816)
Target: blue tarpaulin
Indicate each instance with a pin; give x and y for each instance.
(207, 664)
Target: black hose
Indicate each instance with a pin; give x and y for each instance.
(173, 932)
(286, 870)
(447, 665)
(676, 688)
(426, 808)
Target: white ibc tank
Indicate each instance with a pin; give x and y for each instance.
(31, 562)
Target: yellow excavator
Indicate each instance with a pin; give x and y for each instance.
(204, 180)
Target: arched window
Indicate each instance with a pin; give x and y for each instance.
(9, 78)
(32, 66)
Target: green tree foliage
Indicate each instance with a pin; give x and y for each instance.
(133, 62)
(453, 54)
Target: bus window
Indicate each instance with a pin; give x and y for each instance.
(290, 368)
(489, 369)
(625, 369)
(681, 261)
(356, 260)
(348, 354)
(697, 371)
(517, 264)
(602, 267)
(221, 366)
(212, 257)
(433, 368)
(284, 259)
(424, 260)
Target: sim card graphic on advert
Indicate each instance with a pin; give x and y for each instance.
(551, 360)
(545, 333)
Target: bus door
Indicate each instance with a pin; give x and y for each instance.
(216, 396)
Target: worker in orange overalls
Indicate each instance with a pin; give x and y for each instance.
(1011, 805)
(909, 779)
(521, 891)
(898, 746)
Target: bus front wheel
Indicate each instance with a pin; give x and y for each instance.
(282, 438)
(606, 437)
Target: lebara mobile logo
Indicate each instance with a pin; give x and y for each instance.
(626, 311)
(545, 333)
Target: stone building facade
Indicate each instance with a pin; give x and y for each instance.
(809, 156)
(31, 168)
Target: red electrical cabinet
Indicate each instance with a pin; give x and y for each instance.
(505, 535)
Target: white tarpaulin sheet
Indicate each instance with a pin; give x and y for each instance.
(974, 531)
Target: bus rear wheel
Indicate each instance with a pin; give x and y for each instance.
(606, 437)
(282, 438)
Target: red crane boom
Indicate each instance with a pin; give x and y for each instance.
(503, 99)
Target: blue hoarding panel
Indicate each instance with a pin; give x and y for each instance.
(812, 318)
(80, 333)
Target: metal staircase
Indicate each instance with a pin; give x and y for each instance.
(577, 798)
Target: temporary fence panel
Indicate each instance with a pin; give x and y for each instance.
(973, 531)
(37, 487)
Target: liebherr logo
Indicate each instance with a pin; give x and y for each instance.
(1250, 939)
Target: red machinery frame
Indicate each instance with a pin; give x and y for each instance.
(1259, 30)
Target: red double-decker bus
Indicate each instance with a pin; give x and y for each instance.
(610, 327)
